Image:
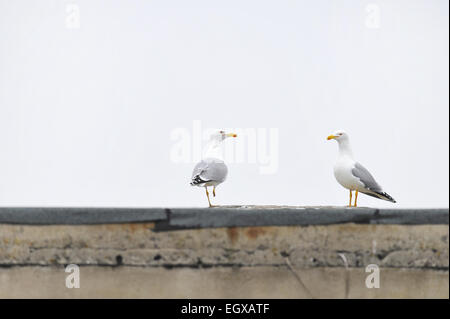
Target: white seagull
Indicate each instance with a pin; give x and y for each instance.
(352, 175)
(211, 171)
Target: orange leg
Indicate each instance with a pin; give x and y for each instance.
(356, 199)
(350, 202)
(207, 195)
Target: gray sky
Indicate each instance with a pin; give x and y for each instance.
(86, 114)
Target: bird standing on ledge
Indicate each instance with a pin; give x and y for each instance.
(353, 175)
(211, 171)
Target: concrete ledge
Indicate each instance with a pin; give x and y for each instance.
(232, 216)
(78, 216)
(224, 252)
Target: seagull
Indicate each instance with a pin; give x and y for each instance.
(211, 171)
(352, 175)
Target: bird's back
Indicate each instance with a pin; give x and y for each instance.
(209, 172)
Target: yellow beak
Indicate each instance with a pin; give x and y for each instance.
(331, 137)
(232, 135)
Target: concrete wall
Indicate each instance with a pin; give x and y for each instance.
(142, 260)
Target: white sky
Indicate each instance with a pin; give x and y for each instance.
(86, 115)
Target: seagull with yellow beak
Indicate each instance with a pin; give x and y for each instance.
(211, 171)
(352, 175)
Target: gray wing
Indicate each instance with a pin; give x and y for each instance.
(366, 178)
(209, 171)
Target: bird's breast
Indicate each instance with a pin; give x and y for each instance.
(344, 176)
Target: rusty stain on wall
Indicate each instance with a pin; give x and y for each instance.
(254, 232)
(233, 234)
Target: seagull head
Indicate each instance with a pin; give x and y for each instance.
(219, 136)
(338, 136)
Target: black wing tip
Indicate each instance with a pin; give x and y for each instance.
(196, 180)
(388, 197)
(381, 195)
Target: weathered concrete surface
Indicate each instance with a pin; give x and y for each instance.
(129, 257)
(420, 246)
(220, 282)
(223, 216)
(78, 215)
